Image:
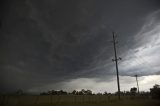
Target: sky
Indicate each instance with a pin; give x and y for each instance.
(67, 44)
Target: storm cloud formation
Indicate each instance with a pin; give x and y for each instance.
(49, 42)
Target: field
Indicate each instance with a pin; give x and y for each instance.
(76, 100)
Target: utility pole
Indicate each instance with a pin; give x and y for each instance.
(116, 61)
(137, 83)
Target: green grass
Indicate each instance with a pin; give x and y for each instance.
(72, 100)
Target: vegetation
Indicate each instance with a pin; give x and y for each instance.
(155, 91)
(83, 98)
(76, 100)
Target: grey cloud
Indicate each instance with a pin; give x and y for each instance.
(48, 42)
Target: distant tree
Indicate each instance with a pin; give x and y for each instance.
(105, 93)
(53, 92)
(49, 93)
(83, 91)
(99, 93)
(121, 93)
(143, 93)
(88, 92)
(127, 93)
(19, 92)
(155, 91)
(133, 91)
(43, 93)
(74, 92)
(61, 92)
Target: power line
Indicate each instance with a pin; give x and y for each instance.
(116, 62)
(137, 83)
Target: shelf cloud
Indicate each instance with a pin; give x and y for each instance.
(58, 44)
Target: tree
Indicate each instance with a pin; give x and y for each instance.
(83, 91)
(155, 91)
(88, 92)
(105, 93)
(133, 91)
(74, 92)
(61, 92)
(43, 93)
(19, 92)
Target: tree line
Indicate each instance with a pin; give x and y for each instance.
(61, 92)
(154, 92)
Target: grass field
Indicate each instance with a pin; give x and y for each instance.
(76, 100)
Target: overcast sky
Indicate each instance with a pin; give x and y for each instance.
(66, 44)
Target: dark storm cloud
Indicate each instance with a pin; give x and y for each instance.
(50, 41)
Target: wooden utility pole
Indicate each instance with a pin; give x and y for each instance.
(137, 83)
(116, 61)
